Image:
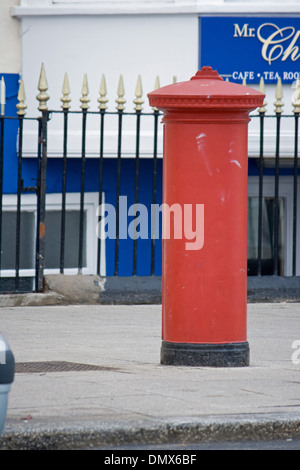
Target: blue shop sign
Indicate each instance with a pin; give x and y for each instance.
(251, 47)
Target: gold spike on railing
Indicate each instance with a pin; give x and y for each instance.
(66, 93)
(121, 92)
(244, 82)
(103, 91)
(296, 98)
(21, 98)
(156, 86)
(84, 92)
(2, 96)
(174, 79)
(138, 93)
(262, 90)
(279, 95)
(43, 97)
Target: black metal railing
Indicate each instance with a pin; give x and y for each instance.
(279, 163)
(273, 207)
(39, 189)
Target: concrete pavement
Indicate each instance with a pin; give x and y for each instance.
(58, 401)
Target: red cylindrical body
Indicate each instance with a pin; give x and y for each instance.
(205, 171)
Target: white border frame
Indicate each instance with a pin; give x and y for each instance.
(53, 202)
(286, 189)
(221, 7)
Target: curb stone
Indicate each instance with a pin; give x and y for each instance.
(243, 428)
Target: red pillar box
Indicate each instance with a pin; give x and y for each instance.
(205, 171)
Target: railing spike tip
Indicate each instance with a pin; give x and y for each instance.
(121, 91)
(138, 93)
(262, 90)
(157, 83)
(102, 91)
(2, 96)
(66, 93)
(85, 86)
(278, 95)
(156, 86)
(139, 88)
(66, 85)
(43, 84)
(43, 97)
(296, 98)
(84, 92)
(21, 106)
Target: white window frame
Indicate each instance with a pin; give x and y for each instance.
(53, 203)
(286, 189)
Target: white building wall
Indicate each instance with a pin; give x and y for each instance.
(10, 57)
(99, 43)
(128, 37)
(110, 44)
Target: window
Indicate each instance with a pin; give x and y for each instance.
(52, 237)
(267, 235)
(285, 225)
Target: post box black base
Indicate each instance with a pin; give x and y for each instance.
(205, 355)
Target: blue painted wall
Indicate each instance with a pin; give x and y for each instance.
(54, 185)
(10, 133)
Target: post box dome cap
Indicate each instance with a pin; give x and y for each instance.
(206, 89)
(207, 72)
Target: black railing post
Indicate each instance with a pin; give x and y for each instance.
(1, 180)
(153, 215)
(100, 198)
(2, 125)
(278, 111)
(42, 97)
(276, 199)
(260, 194)
(138, 109)
(295, 195)
(118, 190)
(64, 189)
(136, 191)
(120, 101)
(102, 100)
(82, 188)
(65, 109)
(84, 106)
(41, 196)
(21, 106)
(18, 217)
